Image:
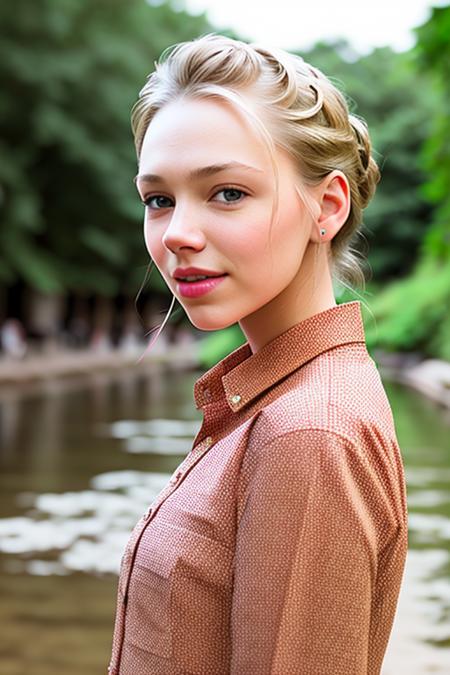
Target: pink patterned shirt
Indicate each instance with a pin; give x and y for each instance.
(278, 546)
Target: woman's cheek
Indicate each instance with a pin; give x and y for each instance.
(153, 245)
(251, 239)
(147, 236)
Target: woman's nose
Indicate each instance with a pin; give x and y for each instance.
(184, 230)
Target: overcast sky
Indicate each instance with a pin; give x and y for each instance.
(296, 24)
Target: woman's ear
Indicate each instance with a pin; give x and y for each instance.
(334, 201)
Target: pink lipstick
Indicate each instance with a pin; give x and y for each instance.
(194, 289)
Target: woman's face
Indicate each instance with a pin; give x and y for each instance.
(219, 220)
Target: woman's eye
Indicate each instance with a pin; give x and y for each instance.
(157, 202)
(231, 195)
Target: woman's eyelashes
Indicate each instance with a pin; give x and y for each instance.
(149, 201)
(231, 196)
(233, 192)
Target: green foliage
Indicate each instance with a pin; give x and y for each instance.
(71, 215)
(432, 54)
(412, 313)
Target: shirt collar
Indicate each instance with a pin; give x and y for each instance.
(242, 375)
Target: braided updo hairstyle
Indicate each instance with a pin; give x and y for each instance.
(306, 114)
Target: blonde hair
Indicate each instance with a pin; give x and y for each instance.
(309, 117)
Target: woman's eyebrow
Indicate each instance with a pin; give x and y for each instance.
(201, 172)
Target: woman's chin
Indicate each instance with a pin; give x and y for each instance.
(208, 321)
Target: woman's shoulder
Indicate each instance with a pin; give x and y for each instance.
(347, 429)
(340, 391)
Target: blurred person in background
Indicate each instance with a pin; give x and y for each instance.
(13, 339)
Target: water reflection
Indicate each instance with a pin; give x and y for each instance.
(83, 531)
(87, 530)
(82, 460)
(157, 436)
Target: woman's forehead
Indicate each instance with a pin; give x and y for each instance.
(201, 135)
(198, 121)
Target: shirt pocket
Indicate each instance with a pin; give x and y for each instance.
(148, 614)
(201, 595)
(179, 597)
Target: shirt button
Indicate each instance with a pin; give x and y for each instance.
(208, 441)
(176, 478)
(235, 398)
(207, 393)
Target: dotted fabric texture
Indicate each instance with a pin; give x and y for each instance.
(278, 545)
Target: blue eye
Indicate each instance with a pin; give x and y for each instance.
(149, 200)
(233, 191)
(231, 195)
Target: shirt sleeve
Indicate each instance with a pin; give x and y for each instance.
(306, 557)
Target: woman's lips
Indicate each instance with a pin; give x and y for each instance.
(194, 289)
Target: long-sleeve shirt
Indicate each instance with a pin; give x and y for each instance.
(278, 546)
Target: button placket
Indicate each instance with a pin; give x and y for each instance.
(176, 477)
(148, 513)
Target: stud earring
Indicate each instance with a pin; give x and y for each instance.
(322, 231)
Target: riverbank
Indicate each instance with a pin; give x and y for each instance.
(62, 363)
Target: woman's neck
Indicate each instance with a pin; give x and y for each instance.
(301, 299)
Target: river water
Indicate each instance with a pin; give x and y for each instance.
(82, 458)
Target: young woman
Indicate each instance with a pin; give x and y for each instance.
(278, 546)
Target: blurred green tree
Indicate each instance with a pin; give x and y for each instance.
(70, 73)
(432, 55)
(413, 313)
